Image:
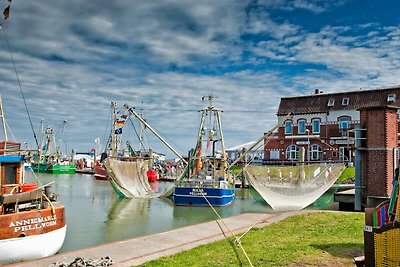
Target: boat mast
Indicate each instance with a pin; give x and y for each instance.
(154, 132)
(113, 136)
(3, 122)
(58, 148)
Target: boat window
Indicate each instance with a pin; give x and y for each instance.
(10, 174)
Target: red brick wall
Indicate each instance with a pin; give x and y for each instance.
(381, 126)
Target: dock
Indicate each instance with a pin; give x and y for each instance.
(141, 249)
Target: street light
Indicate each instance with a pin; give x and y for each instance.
(308, 144)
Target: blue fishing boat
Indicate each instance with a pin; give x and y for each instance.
(206, 181)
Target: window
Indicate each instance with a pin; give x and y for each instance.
(344, 122)
(301, 126)
(315, 152)
(391, 97)
(292, 152)
(331, 102)
(316, 125)
(345, 101)
(288, 127)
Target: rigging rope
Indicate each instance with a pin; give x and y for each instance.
(20, 87)
(229, 229)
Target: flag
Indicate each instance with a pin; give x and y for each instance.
(209, 140)
(124, 116)
(118, 131)
(6, 12)
(120, 123)
(97, 140)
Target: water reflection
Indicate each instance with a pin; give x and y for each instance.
(95, 214)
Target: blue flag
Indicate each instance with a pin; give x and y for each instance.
(118, 131)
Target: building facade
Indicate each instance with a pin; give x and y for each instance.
(323, 124)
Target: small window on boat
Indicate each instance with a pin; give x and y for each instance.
(331, 102)
(345, 101)
(391, 97)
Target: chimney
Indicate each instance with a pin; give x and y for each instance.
(317, 91)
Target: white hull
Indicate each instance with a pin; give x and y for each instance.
(31, 247)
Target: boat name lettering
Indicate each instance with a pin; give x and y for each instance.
(33, 223)
(198, 192)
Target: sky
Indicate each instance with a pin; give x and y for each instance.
(72, 58)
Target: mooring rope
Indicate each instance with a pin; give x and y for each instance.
(229, 229)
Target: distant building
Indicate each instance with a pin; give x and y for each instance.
(236, 151)
(323, 123)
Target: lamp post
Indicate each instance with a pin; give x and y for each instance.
(308, 144)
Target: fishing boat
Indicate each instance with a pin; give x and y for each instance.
(206, 180)
(32, 222)
(49, 159)
(115, 152)
(100, 172)
(126, 168)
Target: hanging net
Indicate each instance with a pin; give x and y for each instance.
(128, 177)
(288, 188)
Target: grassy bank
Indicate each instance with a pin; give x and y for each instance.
(313, 239)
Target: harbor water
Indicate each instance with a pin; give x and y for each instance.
(96, 215)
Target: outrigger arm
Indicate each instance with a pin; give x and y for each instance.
(154, 132)
(261, 139)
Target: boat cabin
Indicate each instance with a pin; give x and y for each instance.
(11, 166)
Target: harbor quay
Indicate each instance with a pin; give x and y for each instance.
(135, 251)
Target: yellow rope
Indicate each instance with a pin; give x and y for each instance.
(53, 210)
(237, 240)
(15, 187)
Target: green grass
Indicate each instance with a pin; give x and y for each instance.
(348, 175)
(312, 239)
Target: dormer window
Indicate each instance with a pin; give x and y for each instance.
(331, 102)
(391, 97)
(345, 101)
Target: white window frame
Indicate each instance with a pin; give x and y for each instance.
(313, 126)
(391, 97)
(299, 122)
(315, 152)
(345, 101)
(288, 125)
(331, 102)
(292, 152)
(343, 123)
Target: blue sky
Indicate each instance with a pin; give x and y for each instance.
(75, 57)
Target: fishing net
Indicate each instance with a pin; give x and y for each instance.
(128, 177)
(288, 188)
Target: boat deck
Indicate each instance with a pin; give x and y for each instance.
(138, 250)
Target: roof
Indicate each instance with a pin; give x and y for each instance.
(318, 103)
(11, 159)
(240, 147)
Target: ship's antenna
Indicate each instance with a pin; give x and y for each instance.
(19, 84)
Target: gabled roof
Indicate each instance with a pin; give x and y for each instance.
(318, 103)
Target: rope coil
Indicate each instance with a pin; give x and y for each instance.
(82, 262)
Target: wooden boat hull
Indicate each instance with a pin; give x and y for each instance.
(100, 173)
(194, 196)
(31, 234)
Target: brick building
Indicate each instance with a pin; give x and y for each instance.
(323, 124)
